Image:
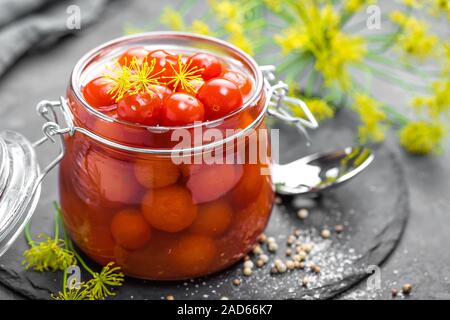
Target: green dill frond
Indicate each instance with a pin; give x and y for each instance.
(48, 255)
(98, 285)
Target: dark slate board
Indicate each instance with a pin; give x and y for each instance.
(374, 209)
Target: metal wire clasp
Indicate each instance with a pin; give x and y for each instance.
(52, 128)
(278, 98)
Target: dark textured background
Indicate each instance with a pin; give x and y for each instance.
(423, 257)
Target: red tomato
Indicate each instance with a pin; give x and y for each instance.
(194, 254)
(95, 92)
(100, 245)
(130, 230)
(162, 91)
(196, 85)
(211, 65)
(182, 109)
(163, 61)
(210, 182)
(244, 84)
(107, 181)
(220, 97)
(127, 57)
(249, 186)
(140, 108)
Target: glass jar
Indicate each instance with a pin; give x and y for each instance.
(161, 210)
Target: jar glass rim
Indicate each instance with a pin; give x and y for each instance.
(84, 61)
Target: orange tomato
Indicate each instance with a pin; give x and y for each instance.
(210, 182)
(194, 254)
(249, 186)
(151, 261)
(169, 209)
(156, 173)
(100, 245)
(213, 219)
(130, 230)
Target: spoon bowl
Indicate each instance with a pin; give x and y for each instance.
(320, 171)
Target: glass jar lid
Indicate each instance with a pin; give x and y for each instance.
(19, 186)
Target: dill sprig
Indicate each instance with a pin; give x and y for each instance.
(58, 254)
(47, 255)
(143, 78)
(71, 292)
(120, 78)
(98, 286)
(133, 78)
(183, 75)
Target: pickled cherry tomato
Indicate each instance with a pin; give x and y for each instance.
(107, 180)
(130, 230)
(143, 108)
(163, 61)
(220, 97)
(169, 209)
(196, 85)
(126, 58)
(162, 91)
(249, 186)
(244, 84)
(210, 182)
(95, 92)
(193, 254)
(182, 109)
(156, 173)
(211, 65)
(213, 219)
(100, 244)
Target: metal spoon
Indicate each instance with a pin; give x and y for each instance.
(315, 173)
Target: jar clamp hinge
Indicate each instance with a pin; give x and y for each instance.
(277, 97)
(52, 129)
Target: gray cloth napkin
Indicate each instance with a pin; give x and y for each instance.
(27, 24)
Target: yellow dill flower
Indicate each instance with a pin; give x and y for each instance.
(142, 78)
(184, 75)
(320, 35)
(291, 39)
(446, 59)
(120, 78)
(98, 285)
(354, 5)
(48, 255)
(198, 26)
(225, 10)
(344, 49)
(421, 137)
(240, 40)
(372, 118)
(413, 3)
(414, 40)
(233, 26)
(71, 294)
(275, 5)
(172, 19)
(439, 7)
(438, 103)
(318, 107)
